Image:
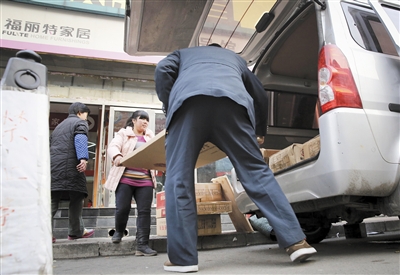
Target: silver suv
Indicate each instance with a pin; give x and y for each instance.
(333, 70)
(330, 68)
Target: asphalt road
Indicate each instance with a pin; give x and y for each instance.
(379, 254)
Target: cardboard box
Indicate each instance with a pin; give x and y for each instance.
(239, 221)
(204, 208)
(206, 224)
(204, 192)
(214, 207)
(286, 157)
(208, 192)
(161, 226)
(209, 225)
(152, 154)
(311, 148)
(267, 153)
(160, 200)
(160, 213)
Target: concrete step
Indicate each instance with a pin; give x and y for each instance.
(95, 247)
(96, 212)
(62, 233)
(103, 220)
(98, 222)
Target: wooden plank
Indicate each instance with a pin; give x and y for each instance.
(239, 220)
(152, 154)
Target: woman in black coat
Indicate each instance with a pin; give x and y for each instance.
(68, 158)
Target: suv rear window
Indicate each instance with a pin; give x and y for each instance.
(367, 30)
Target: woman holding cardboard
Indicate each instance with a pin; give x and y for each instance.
(128, 182)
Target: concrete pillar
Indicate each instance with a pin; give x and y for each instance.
(25, 162)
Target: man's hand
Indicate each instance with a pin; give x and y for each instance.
(81, 167)
(164, 109)
(260, 139)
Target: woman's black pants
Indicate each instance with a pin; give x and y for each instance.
(143, 197)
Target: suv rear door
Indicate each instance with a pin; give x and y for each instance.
(160, 27)
(231, 23)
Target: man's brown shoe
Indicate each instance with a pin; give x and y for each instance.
(168, 266)
(300, 251)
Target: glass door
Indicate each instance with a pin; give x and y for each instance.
(118, 117)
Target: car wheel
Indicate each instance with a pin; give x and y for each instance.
(316, 234)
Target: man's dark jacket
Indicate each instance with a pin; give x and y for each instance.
(211, 71)
(63, 159)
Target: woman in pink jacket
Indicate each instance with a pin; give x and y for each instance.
(132, 181)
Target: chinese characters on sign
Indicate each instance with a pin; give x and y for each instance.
(28, 29)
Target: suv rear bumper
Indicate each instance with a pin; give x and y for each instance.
(349, 164)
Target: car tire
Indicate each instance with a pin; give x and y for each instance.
(316, 234)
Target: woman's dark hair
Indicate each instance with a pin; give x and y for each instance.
(137, 114)
(77, 107)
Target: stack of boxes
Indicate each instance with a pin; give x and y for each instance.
(293, 154)
(209, 196)
(285, 157)
(267, 153)
(311, 148)
(210, 206)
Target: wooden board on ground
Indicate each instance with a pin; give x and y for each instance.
(239, 220)
(152, 154)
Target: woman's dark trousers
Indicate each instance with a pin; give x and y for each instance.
(143, 197)
(75, 221)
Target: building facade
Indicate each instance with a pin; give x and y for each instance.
(81, 44)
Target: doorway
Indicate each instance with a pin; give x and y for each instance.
(118, 116)
(101, 119)
(59, 112)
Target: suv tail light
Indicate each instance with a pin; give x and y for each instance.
(336, 83)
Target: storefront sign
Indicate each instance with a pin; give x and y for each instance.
(66, 32)
(108, 7)
(17, 27)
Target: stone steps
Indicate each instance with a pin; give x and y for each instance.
(102, 220)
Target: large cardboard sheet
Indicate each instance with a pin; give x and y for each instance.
(152, 154)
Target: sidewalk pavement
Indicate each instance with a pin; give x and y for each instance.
(95, 247)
